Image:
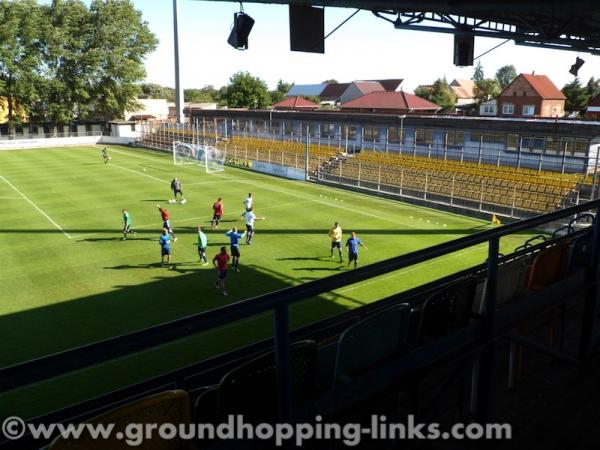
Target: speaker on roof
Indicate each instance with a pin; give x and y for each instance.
(242, 25)
(464, 46)
(574, 70)
(307, 29)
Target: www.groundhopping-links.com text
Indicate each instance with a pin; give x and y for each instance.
(235, 428)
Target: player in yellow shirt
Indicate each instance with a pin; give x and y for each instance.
(335, 233)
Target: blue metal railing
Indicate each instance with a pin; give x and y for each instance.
(29, 372)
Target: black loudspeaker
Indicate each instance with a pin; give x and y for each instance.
(574, 70)
(464, 46)
(307, 29)
(242, 25)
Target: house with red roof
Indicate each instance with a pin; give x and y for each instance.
(295, 104)
(382, 102)
(531, 95)
(593, 109)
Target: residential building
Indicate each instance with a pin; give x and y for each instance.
(150, 109)
(531, 95)
(390, 103)
(357, 89)
(463, 89)
(489, 108)
(593, 109)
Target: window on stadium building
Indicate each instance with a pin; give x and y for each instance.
(476, 136)
(349, 132)
(552, 146)
(395, 135)
(512, 142)
(580, 147)
(276, 127)
(288, 127)
(371, 134)
(424, 136)
(315, 130)
(260, 126)
(328, 130)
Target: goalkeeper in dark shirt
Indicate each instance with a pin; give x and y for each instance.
(176, 188)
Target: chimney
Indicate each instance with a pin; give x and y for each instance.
(533, 73)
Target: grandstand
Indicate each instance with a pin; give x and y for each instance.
(435, 167)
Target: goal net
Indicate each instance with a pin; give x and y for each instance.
(207, 156)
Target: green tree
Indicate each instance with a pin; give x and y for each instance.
(577, 97)
(486, 89)
(66, 91)
(478, 75)
(439, 93)
(593, 87)
(20, 56)
(120, 40)
(424, 91)
(247, 91)
(442, 95)
(153, 90)
(279, 93)
(331, 81)
(505, 75)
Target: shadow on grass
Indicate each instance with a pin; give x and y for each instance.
(181, 290)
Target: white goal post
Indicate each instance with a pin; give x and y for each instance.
(207, 156)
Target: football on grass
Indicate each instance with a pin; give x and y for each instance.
(183, 201)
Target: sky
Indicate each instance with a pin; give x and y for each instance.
(364, 48)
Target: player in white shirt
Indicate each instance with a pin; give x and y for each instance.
(250, 218)
(248, 204)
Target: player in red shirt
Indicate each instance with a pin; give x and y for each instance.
(220, 262)
(164, 214)
(217, 213)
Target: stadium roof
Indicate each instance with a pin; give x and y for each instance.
(559, 24)
(306, 90)
(391, 100)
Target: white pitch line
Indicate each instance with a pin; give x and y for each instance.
(36, 207)
(140, 173)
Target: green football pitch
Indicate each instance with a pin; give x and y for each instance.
(67, 278)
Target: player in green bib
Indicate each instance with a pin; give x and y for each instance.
(127, 224)
(202, 243)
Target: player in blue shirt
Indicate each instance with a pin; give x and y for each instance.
(234, 240)
(165, 246)
(352, 248)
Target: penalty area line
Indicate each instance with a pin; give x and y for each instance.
(36, 207)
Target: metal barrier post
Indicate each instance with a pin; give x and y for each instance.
(282, 358)
(487, 361)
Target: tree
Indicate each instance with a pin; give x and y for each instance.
(247, 91)
(119, 40)
(424, 91)
(331, 81)
(153, 90)
(439, 93)
(593, 87)
(478, 75)
(20, 56)
(279, 93)
(577, 97)
(66, 57)
(486, 89)
(505, 75)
